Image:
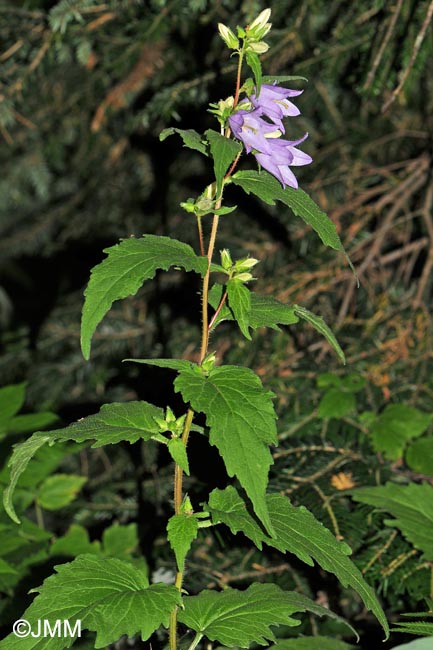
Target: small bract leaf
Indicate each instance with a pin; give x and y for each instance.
(178, 453)
(191, 138)
(224, 151)
(182, 531)
(239, 297)
(253, 62)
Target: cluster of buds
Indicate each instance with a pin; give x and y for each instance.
(205, 204)
(252, 35)
(239, 270)
(171, 423)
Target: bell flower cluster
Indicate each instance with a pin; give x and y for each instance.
(258, 123)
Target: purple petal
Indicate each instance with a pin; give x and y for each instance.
(288, 177)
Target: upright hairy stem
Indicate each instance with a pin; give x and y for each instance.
(178, 473)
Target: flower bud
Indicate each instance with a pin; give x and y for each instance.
(170, 417)
(246, 264)
(208, 362)
(186, 506)
(226, 260)
(260, 26)
(258, 48)
(203, 205)
(228, 36)
(188, 206)
(243, 277)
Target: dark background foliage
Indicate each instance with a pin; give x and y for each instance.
(86, 88)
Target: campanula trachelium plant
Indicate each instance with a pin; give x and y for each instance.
(114, 597)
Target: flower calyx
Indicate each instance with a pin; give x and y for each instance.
(222, 109)
(186, 506)
(208, 363)
(171, 423)
(228, 36)
(256, 31)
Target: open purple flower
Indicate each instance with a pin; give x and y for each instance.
(283, 155)
(263, 136)
(274, 103)
(252, 130)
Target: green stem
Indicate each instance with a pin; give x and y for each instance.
(238, 79)
(215, 316)
(178, 473)
(178, 496)
(200, 236)
(205, 293)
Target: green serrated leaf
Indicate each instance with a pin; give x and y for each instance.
(123, 271)
(239, 618)
(173, 364)
(311, 643)
(59, 490)
(336, 403)
(191, 138)
(296, 531)
(267, 188)
(418, 627)
(412, 507)
(109, 596)
(269, 79)
(20, 459)
(265, 311)
(239, 297)
(419, 456)
(182, 531)
(319, 324)
(224, 151)
(395, 426)
(253, 61)
(11, 400)
(269, 312)
(115, 422)
(178, 453)
(241, 418)
(225, 210)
